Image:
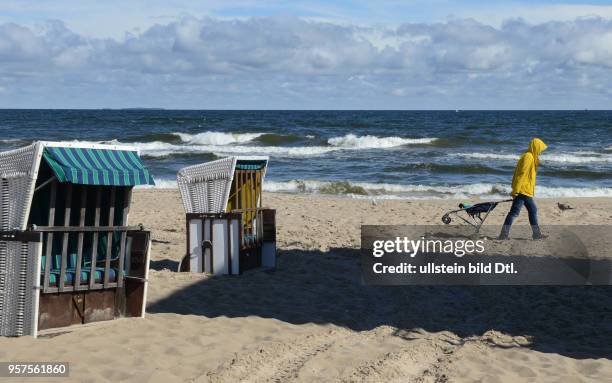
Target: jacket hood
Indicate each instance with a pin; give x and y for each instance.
(537, 146)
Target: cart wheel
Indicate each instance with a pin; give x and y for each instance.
(446, 219)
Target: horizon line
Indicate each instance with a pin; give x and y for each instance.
(311, 110)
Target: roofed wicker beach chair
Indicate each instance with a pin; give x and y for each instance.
(228, 230)
(67, 254)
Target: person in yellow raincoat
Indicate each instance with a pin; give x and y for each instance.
(523, 189)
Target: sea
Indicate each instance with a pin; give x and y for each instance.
(357, 154)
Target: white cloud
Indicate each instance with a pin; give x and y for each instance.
(289, 62)
(496, 15)
(399, 92)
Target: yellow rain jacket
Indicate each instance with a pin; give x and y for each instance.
(524, 179)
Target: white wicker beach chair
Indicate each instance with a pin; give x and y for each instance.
(227, 233)
(21, 246)
(205, 187)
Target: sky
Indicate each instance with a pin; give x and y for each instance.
(336, 54)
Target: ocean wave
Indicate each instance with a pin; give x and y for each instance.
(222, 138)
(160, 183)
(220, 143)
(217, 138)
(280, 139)
(389, 190)
(504, 168)
(398, 191)
(487, 156)
(159, 149)
(566, 158)
(164, 137)
(478, 190)
(163, 149)
(556, 192)
(374, 142)
(432, 167)
(575, 173)
(373, 189)
(578, 158)
(10, 143)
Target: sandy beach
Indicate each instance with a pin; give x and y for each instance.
(312, 319)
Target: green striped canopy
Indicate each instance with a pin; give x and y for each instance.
(250, 164)
(97, 166)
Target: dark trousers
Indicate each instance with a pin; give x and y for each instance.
(517, 205)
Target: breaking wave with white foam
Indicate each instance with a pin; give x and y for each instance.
(160, 183)
(163, 149)
(567, 158)
(241, 143)
(217, 138)
(373, 142)
(398, 191)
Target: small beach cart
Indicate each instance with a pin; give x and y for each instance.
(67, 254)
(477, 212)
(228, 230)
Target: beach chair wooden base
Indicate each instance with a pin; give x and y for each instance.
(217, 244)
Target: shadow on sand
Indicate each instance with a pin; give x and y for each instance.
(164, 264)
(325, 287)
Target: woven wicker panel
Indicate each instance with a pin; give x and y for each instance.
(218, 187)
(5, 204)
(17, 260)
(204, 188)
(17, 287)
(17, 163)
(16, 180)
(4, 309)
